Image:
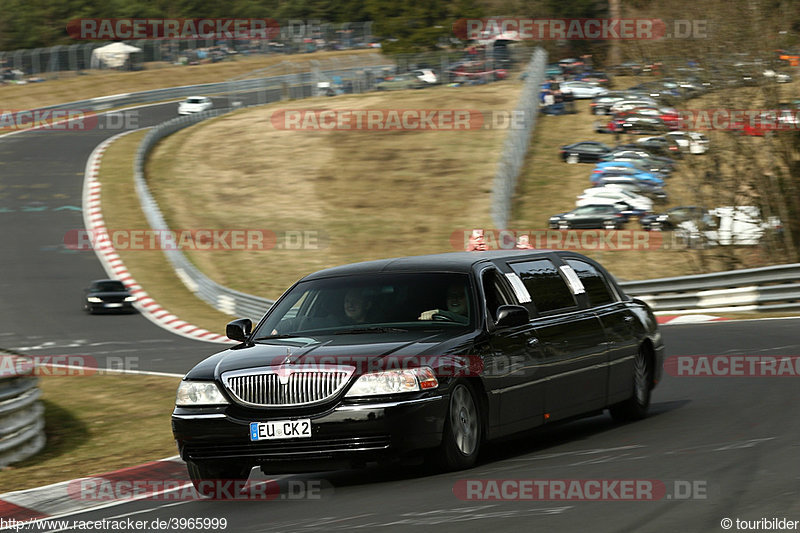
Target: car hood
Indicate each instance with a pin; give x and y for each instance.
(373, 351)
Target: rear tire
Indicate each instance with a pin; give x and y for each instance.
(207, 477)
(463, 431)
(636, 407)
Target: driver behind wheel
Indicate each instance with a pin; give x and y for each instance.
(457, 306)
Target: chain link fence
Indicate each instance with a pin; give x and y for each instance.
(518, 141)
(296, 37)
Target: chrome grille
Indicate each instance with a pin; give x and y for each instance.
(286, 386)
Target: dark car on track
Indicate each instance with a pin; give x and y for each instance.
(109, 296)
(584, 152)
(429, 355)
(600, 216)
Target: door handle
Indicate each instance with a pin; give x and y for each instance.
(533, 341)
(628, 318)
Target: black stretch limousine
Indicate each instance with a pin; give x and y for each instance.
(437, 354)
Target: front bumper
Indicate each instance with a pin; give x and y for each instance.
(111, 307)
(349, 434)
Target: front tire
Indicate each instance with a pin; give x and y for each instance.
(463, 429)
(636, 407)
(208, 477)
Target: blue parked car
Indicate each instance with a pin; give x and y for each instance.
(615, 169)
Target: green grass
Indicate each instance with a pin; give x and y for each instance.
(96, 424)
(150, 268)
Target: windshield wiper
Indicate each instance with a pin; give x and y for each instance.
(374, 329)
(278, 336)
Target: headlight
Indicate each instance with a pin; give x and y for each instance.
(130, 298)
(197, 393)
(394, 382)
(94, 300)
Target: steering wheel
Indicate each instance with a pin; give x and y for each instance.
(438, 317)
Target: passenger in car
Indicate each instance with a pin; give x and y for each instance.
(356, 305)
(457, 306)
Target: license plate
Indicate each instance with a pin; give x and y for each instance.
(281, 429)
(113, 305)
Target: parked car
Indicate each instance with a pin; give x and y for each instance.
(663, 143)
(625, 168)
(400, 82)
(108, 295)
(672, 218)
(613, 196)
(592, 216)
(582, 89)
(626, 183)
(195, 104)
(690, 141)
(542, 336)
(643, 159)
(584, 152)
(640, 125)
(601, 105)
(628, 104)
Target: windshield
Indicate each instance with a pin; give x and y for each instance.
(194, 100)
(108, 286)
(372, 302)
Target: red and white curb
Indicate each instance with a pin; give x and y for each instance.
(66, 498)
(687, 319)
(113, 265)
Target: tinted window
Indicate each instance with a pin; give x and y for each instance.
(596, 287)
(546, 286)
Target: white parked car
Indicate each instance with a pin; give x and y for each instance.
(582, 89)
(613, 196)
(195, 104)
(627, 105)
(690, 141)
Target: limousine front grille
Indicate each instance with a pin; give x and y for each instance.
(285, 387)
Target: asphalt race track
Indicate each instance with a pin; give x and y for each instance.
(721, 447)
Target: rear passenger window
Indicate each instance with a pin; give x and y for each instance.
(547, 288)
(597, 289)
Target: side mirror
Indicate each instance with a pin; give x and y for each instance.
(239, 329)
(509, 316)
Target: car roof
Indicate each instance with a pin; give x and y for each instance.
(445, 262)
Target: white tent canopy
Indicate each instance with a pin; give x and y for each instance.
(112, 55)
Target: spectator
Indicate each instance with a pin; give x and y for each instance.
(477, 243)
(523, 243)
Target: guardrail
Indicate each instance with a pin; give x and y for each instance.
(172, 93)
(222, 298)
(518, 140)
(21, 412)
(773, 288)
